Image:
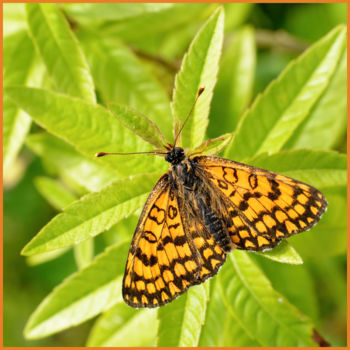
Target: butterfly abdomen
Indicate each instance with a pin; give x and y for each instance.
(214, 224)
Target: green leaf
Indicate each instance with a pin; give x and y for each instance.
(264, 315)
(220, 328)
(114, 11)
(138, 124)
(287, 101)
(121, 77)
(18, 69)
(60, 50)
(14, 18)
(81, 296)
(84, 253)
(59, 197)
(180, 321)
(234, 89)
(54, 192)
(199, 69)
(318, 168)
(141, 22)
(92, 214)
(329, 237)
(39, 259)
(213, 146)
(283, 253)
(236, 14)
(89, 173)
(90, 128)
(294, 282)
(117, 327)
(327, 121)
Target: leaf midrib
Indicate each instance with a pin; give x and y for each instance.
(292, 101)
(239, 273)
(75, 227)
(75, 81)
(76, 300)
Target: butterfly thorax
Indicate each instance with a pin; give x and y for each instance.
(202, 206)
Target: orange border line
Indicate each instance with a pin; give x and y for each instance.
(176, 1)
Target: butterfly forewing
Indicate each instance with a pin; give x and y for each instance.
(265, 207)
(169, 252)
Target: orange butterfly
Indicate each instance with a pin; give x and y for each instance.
(201, 209)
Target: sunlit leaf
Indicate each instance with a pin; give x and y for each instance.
(283, 253)
(81, 296)
(92, 214)
(87, 172)
(265, 315)
(59, 50)
(328, 118)
(199, 69)
(180, 321)
(287, 101)
(138, 124)
(123, 78)
(19, 58)
(234, 89)
(90, 128)
(118, 325)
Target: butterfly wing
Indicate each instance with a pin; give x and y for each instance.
(167, 253)
(264, 207)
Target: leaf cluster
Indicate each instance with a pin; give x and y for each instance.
(89, 78)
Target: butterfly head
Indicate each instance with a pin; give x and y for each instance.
(175, 155)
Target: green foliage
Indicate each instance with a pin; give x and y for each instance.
(199, 69)
(253, 304)
(19, 58)
(98, 78)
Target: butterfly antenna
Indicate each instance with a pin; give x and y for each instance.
(201, 89)
(102, 154)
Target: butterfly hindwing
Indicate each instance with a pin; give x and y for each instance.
(265, 207)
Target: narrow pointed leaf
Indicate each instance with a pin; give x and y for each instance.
(60, 50)
(234, 88)
(121, 77)
(327, 120)
(117, 327)
(220, 328)
(92, 214)
(54, 192)
(87, 172)
(213, 146)
(138, 124)
(84, 253)
(18, 65)
(264, 314)
(294, 282)
(59, 197)
(98, 131)
(199, 69)
(113, 11)
(180, 322)
(142, 22)
(81, 296)
(283, 253)
(287, 101)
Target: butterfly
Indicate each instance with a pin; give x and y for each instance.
(202, 208)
